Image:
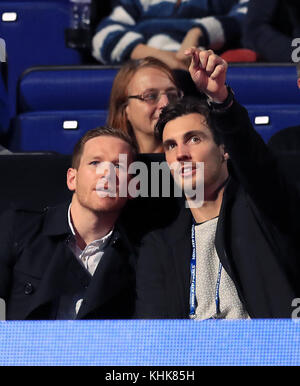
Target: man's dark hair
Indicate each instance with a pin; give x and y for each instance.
(186, 106)
(298, 70)
(100, 132)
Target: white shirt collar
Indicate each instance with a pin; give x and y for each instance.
(94, 244)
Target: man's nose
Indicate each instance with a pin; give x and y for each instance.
(182, 152)
(105, 170)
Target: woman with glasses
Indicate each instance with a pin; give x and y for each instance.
(140, 91)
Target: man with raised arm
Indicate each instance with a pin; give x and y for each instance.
(232, 254)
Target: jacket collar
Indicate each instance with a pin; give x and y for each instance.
(56, 220)
(181, 227)
(185, 219)
(179, 235)
(56, 224)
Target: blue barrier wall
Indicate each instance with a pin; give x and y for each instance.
(150, 343)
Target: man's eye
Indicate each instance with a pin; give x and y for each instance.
(170, 146)
(120, 166)
(94, 162)
(195, 139)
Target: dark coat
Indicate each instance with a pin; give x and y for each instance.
(286, 140)
(256, 235)
(37, 266)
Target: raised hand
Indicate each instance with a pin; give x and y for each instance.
(208, 72)
(191, 39)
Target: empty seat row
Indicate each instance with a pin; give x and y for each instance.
(60, 130)
(88, 87)
(57, 105)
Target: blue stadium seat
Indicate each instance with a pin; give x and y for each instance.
(268, 119)
(65, 88)
(53, 130)
(34, 35)
(89, 87)
(270, 94)
(262, 83)
(59, 130)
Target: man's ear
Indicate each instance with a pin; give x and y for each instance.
(226, 156)
(71, 179)
(298, 82)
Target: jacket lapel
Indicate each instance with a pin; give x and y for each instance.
(111, 278)
(180, 233)
(221, 240)
(56, 232)
(113, 274)
(53, 278)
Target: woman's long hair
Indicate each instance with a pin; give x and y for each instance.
(119, 94)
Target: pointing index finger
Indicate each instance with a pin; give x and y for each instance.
(193, 52)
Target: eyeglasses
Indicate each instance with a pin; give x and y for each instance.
(152, 97)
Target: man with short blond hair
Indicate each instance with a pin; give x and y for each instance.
(73, 261)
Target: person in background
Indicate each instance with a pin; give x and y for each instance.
(140, 90)
(234, 254)
(270, 27)
(287, 139)
(73, 261)
(163, 29)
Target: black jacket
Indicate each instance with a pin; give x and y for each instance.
(286, 140)
(256, 235)
(37, 267)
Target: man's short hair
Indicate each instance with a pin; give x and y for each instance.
(100, 132)
(185, 106)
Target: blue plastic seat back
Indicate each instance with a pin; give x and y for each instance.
(54, 130)
(89, 87)
(268, 119)
(66, 88)
(264, 84)
(34, 35)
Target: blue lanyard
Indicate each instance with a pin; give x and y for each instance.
(193, 280)
(193, 276)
